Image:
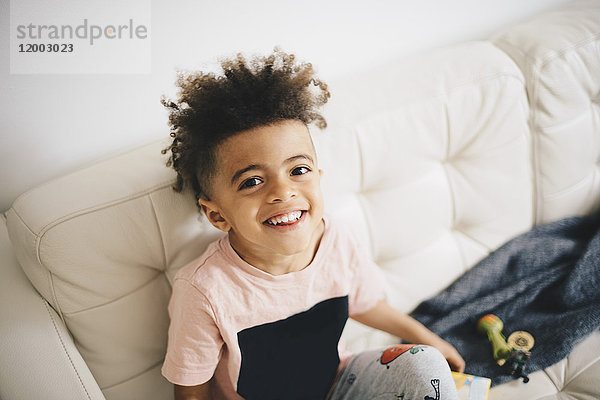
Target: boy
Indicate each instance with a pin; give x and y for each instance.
(259, 315)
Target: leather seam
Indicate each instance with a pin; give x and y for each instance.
(445, 167)
(571, 188)
(79, 213)
(160, 232)
(90, 164)
(37, 255)
(133, 376)
(545, 60)
(136, 290)
(361, 160)
(535, 149)
(530, 87)
(62, 343)
(102, 206)
(554, 383)
(479, 82)
(573, 120)
(53, 291)
(579, 372)
(17, 215)
(480, 243)
(574, 47)
(362, 189)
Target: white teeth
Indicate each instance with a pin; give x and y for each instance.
(290, 217)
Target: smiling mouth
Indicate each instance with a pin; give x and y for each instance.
(285, 219)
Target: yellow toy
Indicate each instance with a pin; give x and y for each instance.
(513, 353)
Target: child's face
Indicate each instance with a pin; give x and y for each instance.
(266, 193)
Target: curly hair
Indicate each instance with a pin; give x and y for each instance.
(211, 108)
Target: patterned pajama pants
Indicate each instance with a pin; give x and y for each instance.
(403, 372)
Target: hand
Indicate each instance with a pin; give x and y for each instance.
(390, 320)
(451, 355)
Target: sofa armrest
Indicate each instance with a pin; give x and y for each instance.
(38, 359)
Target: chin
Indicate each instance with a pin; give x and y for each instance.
(291, 249)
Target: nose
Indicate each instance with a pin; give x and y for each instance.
(281, 190)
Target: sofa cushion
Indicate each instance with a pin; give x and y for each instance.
(558, 53)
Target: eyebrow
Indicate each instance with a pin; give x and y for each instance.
(242, 171)
(252, 167)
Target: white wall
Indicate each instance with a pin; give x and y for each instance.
(52, 124)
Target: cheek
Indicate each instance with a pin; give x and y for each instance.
(315, 195)
(246, 211)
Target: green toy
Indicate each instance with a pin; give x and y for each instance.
(513, 353)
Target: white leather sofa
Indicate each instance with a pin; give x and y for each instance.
(437, 160)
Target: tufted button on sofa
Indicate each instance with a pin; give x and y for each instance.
(436, 160)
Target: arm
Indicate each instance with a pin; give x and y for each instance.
(388, 319)
(199, 392)
(194, 343)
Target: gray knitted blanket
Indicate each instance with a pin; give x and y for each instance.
(545, 281)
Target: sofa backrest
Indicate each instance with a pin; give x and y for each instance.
(429, 158)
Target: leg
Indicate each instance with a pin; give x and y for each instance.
(406, 372)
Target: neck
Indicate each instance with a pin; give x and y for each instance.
(281, 264)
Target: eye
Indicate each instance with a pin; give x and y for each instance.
(250, 182)
(300, 171)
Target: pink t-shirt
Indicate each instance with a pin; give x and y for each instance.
(264, 336)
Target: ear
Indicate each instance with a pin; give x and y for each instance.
(320, 173)
(213, 214)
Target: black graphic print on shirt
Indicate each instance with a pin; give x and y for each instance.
(293, 358)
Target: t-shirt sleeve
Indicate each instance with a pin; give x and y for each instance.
(368, 284)
(194, 345)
